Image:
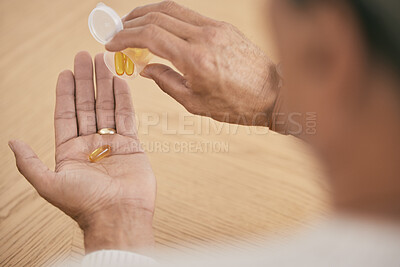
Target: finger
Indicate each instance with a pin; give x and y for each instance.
(34, 170)
(169, 81)
(124, 113)
(176, 27)
(159, 41)
(172, 9)
(65, 124)
(84, 92)
(105, 94)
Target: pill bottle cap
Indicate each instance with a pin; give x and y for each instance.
(104, 23)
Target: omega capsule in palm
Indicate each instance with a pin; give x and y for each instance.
(100, 153)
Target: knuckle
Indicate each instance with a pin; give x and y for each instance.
(87, 105)
(160, 77)
(204, 60)
(224, 25)
(210, 33)
(105, 105)
(150, 30)
(152, 17)
(168, 5)
(227, 28)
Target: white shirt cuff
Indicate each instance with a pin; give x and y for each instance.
(116, 258)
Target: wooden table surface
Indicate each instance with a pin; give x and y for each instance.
(259, 184)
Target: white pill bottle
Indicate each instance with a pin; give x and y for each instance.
(104, 23)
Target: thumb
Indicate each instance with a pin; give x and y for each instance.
(170, 81)
(34, 170)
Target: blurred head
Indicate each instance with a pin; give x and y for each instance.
(341, 59)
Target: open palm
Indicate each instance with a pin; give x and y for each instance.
(79, 187)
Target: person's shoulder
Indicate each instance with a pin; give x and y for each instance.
(339, 241)
(343, 241)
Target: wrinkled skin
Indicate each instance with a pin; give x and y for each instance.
(225, 76)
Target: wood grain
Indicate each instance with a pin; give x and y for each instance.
(264, 184)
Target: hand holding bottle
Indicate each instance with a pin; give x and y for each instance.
(222, 74)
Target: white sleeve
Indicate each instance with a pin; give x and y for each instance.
(116, 258)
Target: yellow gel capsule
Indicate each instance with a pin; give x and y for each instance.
(129, 66)
(119, 63)
(100, 153)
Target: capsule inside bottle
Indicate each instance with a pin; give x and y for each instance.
(119, 63)
(129, 66)
(123, 64)
(100, 153)
(131, 63)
